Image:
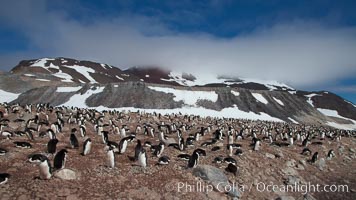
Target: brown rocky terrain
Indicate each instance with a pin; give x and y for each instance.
(93, 180)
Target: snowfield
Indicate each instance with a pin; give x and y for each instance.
(334, 113)
(7, 96)
(309, 100)
(188, 97)
(260, 98)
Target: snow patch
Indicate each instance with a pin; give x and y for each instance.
(78, 100)
(147, 76)
(278, 101)
(235, 93)
(292, 92)
(309, 100)
(41, 79)
(188, 97)
(291, 119)
(7, 96)
(334, 113)
(85, 71)
(68, 89)
(259, 98)
(118, 77)
(31, 75)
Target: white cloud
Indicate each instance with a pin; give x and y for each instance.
(299, 53)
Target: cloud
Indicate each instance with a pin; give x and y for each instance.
(300, 53)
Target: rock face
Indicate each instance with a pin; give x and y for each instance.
(217, 178)
(66, 174)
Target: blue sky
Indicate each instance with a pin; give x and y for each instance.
(310, 45)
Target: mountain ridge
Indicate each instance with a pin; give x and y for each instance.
(56, 80)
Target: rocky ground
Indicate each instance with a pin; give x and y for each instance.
(93, 180)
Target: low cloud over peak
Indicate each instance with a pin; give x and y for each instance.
(301, 53)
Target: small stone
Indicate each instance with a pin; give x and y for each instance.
(352, 150)
(268, 155)
(66, 174)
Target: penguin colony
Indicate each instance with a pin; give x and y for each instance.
(150, 134)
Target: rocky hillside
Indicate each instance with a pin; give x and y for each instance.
(63, 81)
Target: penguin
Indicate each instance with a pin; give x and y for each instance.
(138, 149)
(86, 147)
(190, 141)
(73, 141)
(229, 149)
(60, 159)
(110, 157)
(36, 158)
(2, 151)
(218, 159)
(4, 177)
(24, 145)
(315, 157)
(257, 144)
(29, 134)
(331, 154)
(164, 160)
(113, 145)
(238, 152)
(82, 130)
(45, 168)
(142, 158)
(201, 152)
(148, 144)
(306, 152)
(51, 134)
(159, 150)
(230, 160)
(181, 143)
(104, 136)
(184, 156)
(230, 139)
(123, 145)
(51, 146)
(231, 168)
(193, 160)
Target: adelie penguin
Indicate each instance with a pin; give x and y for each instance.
(105, 136)
(231, 168)
(45, 168)
(86, 147)
(142, 158)
(331, 154)
(36, 158)
(164, 160)
(51, 146)
(138, 149)
(2, 151)
(4, 177)
(110, 157)
(24, 145)
(123, 145)
(193, 160)
(159, 150)
(315, 157)
(60, 159)
(73, 141)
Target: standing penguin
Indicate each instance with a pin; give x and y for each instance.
(193, 160)
(60, 159)
(73, 141)
(86, 147)
(138, 149)
(52, 145)
(257, 144)
(331, 154)
(45, 169)
(123, 145)
(315, 157)
(82, 130)
(105, 137)
(110, 157)
(142, 158)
